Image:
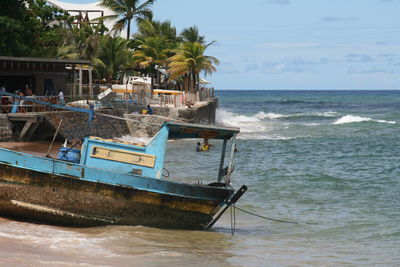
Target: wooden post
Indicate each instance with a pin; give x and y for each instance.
(90, 83)
(80, 80)
(73, 81)
(221, 164)
(230, 166)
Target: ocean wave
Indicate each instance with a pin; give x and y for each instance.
(247, 124)
(274, 116)
(262, 115)
(353, 119)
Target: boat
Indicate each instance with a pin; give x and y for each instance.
(112, 182)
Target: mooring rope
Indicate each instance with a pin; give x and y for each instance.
(263, 217)
(233, 219)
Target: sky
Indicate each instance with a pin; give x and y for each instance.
(294, 44)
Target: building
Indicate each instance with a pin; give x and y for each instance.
(44, 76)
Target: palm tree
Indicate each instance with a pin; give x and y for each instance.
(149, 27)
(81, 42)
(192, 35)
(113, 58)
(127, 10)
(152, 54)
(188, 62)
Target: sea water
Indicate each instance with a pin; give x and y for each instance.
(328, 160)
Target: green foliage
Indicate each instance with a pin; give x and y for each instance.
(126, 10)
(192, 35)
(82, 42)
(113, 58)
(189, 61)
(30, 28)
(34, 28)
(150, 28)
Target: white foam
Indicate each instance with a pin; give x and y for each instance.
(352, 119)
(247, 124)
(273, 116)
(262, 115)
(326, 114)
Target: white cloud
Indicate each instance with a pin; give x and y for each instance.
(227, 68)
(351, 58)
(373, 70)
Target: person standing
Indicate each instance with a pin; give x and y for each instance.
(149, 110)
(61, 97)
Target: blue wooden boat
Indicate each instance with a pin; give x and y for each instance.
(109, 182)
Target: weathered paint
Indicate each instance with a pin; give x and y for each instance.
(105, 189)
(66, 169)
(42, 197)
(124, 156)
(155, 150)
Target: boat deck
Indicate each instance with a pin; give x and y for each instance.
(37, 148)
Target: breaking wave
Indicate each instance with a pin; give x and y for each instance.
(352, 119)
(306, 115)
(247, 124)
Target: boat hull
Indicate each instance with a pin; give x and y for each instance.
(63, 200)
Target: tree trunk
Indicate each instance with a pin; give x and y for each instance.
(197, 82)
(129, 29)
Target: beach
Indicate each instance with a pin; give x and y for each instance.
(328, 160)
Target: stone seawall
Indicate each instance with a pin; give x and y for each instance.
(202, 112)
(75, 125)
(6, 132)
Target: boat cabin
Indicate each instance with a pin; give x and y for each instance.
(148, 160)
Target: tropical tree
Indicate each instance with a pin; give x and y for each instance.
(82, 42)
(192, 35)
(188, 62)
(126, 10)
(113, 58)
(30, 28)
(150, 27)
(151, 55)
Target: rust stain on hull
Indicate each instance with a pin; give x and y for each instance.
(31, 195)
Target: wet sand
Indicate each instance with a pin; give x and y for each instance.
(27, 244)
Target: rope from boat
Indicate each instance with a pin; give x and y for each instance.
(126, 119)
(233, 219)
(263, 217)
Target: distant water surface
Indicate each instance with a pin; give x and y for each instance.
(328, 160)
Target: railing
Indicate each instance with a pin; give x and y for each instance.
(11, 103)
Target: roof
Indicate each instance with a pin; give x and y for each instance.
(74, 8)
(170, 92)
(189, 130)
(46, 60)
